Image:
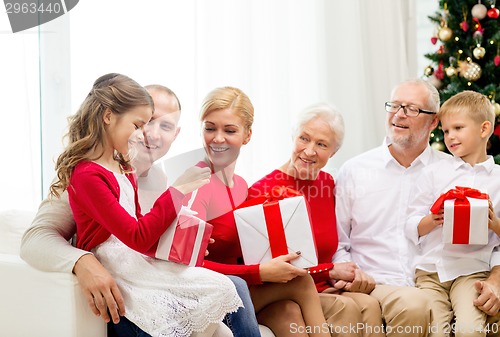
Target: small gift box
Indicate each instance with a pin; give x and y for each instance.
(465, 216)
(275, 224)
(186, 240)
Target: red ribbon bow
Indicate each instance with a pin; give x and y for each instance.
(459, 193)
(461, 210)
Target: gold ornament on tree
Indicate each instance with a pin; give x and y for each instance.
(445, 34)
(497, 109)
(473, 72)
(496, 106)
(451, 71)
(438, 146)
(428, 71)
(469, 70)
(479, 52)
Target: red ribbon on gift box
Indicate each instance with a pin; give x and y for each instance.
(461, 210)
(272, 214)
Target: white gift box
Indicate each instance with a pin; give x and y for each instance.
(466, 230)
(253, 230)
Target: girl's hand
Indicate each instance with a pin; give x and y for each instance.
(210, 241)
(279, 270)
(192, 179)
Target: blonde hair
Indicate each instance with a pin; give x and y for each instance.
(473, 104)
(229, 98)
(86, 133)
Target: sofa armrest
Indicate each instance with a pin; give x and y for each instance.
(43, 304)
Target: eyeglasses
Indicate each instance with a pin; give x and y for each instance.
(409, 110)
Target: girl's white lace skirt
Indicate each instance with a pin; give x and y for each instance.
(165, 298)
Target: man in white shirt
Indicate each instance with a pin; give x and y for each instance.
(45, 244)
(54, 225)
(372, 199)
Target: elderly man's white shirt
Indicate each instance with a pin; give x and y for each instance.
(451, 260)
(372, 198)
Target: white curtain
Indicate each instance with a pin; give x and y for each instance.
(285, 54)
(20, 170)
(371, 47)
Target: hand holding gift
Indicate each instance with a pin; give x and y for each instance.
(465, 216)
(493, 220)
(430, 222)
(280, 270)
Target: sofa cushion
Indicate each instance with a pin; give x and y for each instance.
(13, 224)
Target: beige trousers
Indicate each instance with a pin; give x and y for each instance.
(452, 304)
(493, 325)
(352, 314)
(405, 310)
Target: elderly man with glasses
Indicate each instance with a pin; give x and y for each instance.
(373, 194)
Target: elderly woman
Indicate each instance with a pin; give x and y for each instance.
(227, 115)
(317, 137)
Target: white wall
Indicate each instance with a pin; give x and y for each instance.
(285, 54)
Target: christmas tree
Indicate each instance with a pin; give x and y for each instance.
(467, 57)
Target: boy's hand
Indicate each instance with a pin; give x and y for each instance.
(429, 222)
(493, 220)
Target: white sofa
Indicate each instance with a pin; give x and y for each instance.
(37, 303)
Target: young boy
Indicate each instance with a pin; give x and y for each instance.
(452, 273)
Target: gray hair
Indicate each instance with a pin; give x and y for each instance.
(328, 114)
(434, 100)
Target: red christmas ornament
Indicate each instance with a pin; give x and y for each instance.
(479, 28)
(464, 25)
(434, 39)
(497, 130)
(496, 60)
(493, 13)
(439, 73)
